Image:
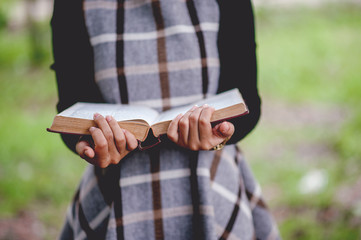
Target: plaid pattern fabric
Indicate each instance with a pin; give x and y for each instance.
(143, 48)
(163, 53)
(168, 193)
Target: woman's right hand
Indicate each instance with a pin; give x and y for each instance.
(110, 143)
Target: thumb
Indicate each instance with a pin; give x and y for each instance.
(224, 130)
(84, 150)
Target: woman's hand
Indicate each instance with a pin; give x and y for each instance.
(193, 130)
(110, 143)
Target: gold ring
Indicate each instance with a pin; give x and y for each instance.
(221, 145)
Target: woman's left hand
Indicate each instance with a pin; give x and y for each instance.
(193, 130)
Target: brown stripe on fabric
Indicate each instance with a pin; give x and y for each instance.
(261, 203)
(123, 89)
(249, 194)
(162, 55)
(196, 219)
(76, 195)
(238, 152)
(202, 47)
(234, 215)
(118, 205)
(252, 198)
(254, 235)
(215, 163)
(239, 156)
(156, 192)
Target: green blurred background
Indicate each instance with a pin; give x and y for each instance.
(305, 151)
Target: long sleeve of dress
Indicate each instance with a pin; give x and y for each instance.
(237, 50)
(73, 59)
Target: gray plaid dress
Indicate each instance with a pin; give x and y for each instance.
(163, 54)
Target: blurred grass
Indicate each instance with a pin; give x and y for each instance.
(311, 54)
(309, 72)
(309, 65)
(37, 172)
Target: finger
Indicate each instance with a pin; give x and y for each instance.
(223, 130)
(84, 150)
(172, 132)
(227, 129)
(204, 124)
(87, 153)
(132, 142)
(114, 155)
(193, 134)
(183, 126)
(119, 138)
(100, 147)
(105, 128)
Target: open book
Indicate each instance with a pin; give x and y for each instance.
(78, 118)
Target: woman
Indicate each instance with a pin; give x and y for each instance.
(162, 54)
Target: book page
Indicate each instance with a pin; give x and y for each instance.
(120, 112)
(218, 101)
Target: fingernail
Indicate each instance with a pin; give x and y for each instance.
(225, 126)
(85, 153)
(194, 107)
(179, 116)
(108, 118)
(91, 129)
(205, 105)
(96, 115)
